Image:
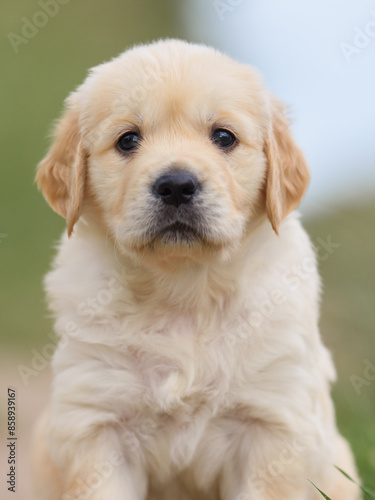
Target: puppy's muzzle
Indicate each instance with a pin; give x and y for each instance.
(176, 188)
(177, 208)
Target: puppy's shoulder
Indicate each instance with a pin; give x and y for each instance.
(79, 268)
(291, 245)
(286, 261)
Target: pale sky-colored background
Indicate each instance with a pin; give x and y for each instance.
(298, 46)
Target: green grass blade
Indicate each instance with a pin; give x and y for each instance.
(320, 491)
(366, 490)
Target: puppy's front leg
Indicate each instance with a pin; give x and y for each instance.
(104, 476)
(94, 465)
(265, 465)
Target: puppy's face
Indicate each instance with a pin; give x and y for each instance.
(177, 150)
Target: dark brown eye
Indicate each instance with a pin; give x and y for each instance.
(128, 142)
(223, 138)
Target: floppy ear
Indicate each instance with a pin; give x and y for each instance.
(61, 174)
(287, 174)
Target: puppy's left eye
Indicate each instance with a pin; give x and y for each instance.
(128, 142)
(223, 138)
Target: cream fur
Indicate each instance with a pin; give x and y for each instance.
(184, 371)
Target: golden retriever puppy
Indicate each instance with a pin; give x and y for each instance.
(190, 364)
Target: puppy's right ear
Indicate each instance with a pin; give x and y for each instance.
(61, 174)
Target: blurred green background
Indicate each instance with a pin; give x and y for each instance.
(35, 82)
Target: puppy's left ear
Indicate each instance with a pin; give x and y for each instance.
(288, 175)
(61, 174)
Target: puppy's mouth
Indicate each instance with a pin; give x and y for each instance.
(191, 229)
(177, 233)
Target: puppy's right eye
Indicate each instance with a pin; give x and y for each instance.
(128, 142)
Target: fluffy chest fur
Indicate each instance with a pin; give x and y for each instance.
(170, 368)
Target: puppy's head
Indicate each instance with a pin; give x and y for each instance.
(176, 149)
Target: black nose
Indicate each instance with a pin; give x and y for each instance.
(176, 188)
